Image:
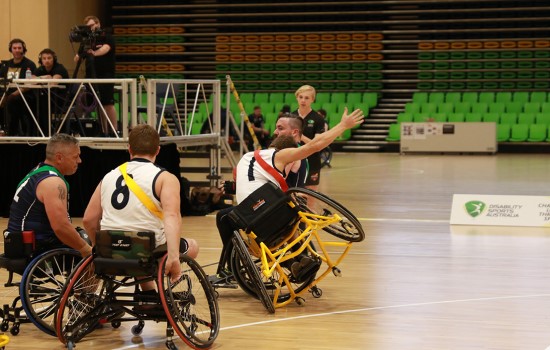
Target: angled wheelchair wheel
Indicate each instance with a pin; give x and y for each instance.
(190, 304)
(42, 283)
(248, 286)
(250, 274)
(81, 305)
(348, 229)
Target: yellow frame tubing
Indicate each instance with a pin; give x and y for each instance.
(271, 262)
(4, 340)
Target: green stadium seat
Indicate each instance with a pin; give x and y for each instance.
(508, 118)
(394, 133)
(404, 117)
(519, 133)
(370, 99)
(420, 97)
(513, 107)
(520, 96)
(470, 97)
(276, 97)
(486, 97)
(456, 117)
(503, 132)
(421, 117)
(338, 97)
(290, 98)
(436, 97)
(330, 108)
(490, 117)
(542, 118)
(537, 132)
(354, 99)
(462, 107)
(446, 108)
(526, 118)
(503, 97)
(532, 107)
(472, 117)
(261, 97)
(439, 117)
(539, 96)
(496, 107)
(429, 108)
(453, 97)
(545, 107)
(412, 107)
(480, 107)
(247, 98)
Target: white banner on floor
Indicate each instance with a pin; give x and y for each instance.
(474, 209)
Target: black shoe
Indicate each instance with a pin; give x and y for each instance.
(306, 268)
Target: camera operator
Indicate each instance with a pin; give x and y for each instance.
(99, 52)
(16, 111)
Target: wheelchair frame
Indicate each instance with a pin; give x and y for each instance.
(38, 290)
(90, 299)
(304, 233)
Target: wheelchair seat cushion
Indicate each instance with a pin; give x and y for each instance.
(125, 244)
(125, 253)
(13, 265)
(266, 212)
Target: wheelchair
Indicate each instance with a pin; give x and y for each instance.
(35, 295)
(301, 223)
(100, 291)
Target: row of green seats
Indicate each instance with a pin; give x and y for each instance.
(483, 96)
(508, 118)
(478, 107)
(488, 85)
(506, 132)
(368, 98)
(522, 132)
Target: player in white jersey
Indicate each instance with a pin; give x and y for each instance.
(115, 206)
(281, 157)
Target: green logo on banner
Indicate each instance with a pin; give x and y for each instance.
(474, 208)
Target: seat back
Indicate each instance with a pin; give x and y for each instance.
(125, 253)
(267, 212)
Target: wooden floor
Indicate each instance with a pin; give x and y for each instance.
(415, 282)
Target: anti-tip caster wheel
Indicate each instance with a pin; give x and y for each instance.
(14, 329)
(336, 271)
(300, 301)
(316, 292)
(70, 345)
(170, 345)
(138, 328)
(4, 326)
(116, 324)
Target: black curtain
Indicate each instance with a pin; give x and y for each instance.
(18, 160)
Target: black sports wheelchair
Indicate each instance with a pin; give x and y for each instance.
(34, 296)
(284, 244)
(104, 288)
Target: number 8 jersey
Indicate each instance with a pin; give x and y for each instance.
(122, 209)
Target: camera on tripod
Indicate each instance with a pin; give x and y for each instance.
(85, 36)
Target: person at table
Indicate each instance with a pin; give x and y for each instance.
(50, 68)
(16, 114)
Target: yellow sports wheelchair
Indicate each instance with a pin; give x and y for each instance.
(286, 243)
(104, 288)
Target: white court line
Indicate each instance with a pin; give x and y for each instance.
(403, 220)
(252, 324)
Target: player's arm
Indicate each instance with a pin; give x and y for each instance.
(93, 214)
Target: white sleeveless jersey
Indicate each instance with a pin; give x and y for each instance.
(251, 175)
(122, 209)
